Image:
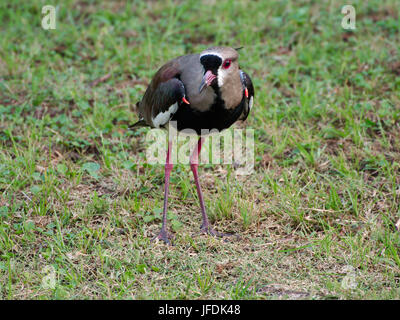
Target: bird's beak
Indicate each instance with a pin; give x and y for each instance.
(208, 78)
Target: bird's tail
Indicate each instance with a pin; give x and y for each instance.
(140, 123)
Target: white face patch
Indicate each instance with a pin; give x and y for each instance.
(221, 76)
(163, 117)
(211, 53)
(251, 103)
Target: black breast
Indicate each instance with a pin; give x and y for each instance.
(217, 117)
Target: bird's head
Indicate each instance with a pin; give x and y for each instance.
(219, 64)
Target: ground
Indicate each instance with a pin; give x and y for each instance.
(317, 219)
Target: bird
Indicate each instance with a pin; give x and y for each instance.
(200, 91)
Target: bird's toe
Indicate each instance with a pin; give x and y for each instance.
(164, 236)
(207, 229)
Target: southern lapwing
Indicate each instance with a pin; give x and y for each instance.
(197, 91)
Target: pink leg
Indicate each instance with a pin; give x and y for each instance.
(194, 163)
(164, 234)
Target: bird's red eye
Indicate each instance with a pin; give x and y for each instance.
(227, 64)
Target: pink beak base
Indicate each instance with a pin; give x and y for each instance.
(208, 78)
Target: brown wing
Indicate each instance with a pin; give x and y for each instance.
(163, 92)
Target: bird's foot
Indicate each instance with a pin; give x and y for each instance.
(207, 229)
(165, 236)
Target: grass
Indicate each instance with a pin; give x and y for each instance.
(319, 217)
